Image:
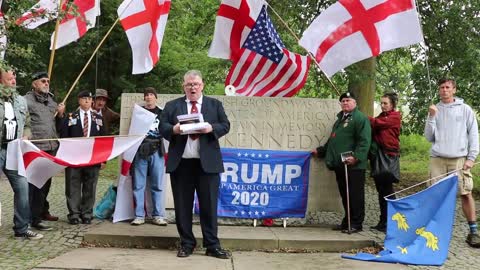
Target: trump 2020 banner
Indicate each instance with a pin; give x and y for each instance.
(263, 184)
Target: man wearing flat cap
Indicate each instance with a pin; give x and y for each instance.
(348, 144)
(81, 183)
(42, 109)
(110, 118)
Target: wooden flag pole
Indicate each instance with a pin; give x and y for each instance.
(90, 59)
(55, 36)
(309, 53)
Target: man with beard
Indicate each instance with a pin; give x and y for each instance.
(15, 124)
(42, 109)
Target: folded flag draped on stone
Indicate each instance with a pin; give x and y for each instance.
(262, 66)
(144, 22)
(39, 166)
(42, 12)
(419, 226)
(235, 20)
(352, 30)
(140, 124)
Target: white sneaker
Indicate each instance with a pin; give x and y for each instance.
(159, 221)
(29, 235)
(137, 221)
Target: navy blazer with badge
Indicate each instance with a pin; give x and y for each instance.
(210, 155)
(73, 128)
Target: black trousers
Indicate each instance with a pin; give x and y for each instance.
(384, 188)
(186, 179)
(80, 191)
(39, 205)
(356, 185)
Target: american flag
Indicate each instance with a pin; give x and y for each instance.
(265, 67)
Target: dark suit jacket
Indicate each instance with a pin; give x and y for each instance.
(74, 128)
(210, 155)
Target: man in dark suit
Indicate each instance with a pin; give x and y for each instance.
(195, 163)
(81, 183)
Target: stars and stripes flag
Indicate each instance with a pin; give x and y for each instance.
(352, 30)
(264, 66)
(144, 22)
(38, 166)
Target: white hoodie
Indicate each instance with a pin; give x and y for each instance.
(453, 131)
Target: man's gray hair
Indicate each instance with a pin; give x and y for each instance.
(192, 73)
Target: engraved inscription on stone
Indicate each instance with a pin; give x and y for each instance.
(293, 124)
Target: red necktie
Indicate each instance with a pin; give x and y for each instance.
(194, 110)
(85, 124)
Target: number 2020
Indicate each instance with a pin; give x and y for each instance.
(247, 198)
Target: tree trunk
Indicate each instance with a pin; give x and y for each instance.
(361, 82)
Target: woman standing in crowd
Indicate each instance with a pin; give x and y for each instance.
(385, 153)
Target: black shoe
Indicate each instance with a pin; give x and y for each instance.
(339, 227)
(42, 226)
(74, 221)
(184, 252)
(86, 220)
(218, 253)
(352, 230)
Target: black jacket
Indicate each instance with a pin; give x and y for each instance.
(210, 155)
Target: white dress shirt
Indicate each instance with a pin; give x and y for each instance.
(192, 148)
(89, 113)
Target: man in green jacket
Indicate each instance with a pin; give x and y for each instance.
(351, 136)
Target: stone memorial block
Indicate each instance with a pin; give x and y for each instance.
(291, 124)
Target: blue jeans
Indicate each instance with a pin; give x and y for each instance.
(151, 168)
(21, 206)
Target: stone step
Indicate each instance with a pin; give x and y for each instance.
(321, 239)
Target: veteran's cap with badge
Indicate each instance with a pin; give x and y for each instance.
(84, 93)
(39, 75)
(347, 95)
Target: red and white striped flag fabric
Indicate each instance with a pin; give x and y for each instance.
(42, 12)
(265, 67)
(80, 16)
(141, 122)
(38, 166)
(352, 30)
(235, 20)
(144, 22)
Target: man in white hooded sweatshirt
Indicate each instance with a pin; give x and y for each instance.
(452, 129)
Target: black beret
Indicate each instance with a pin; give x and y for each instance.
(347, 95)
(84, 93)
(39, 75)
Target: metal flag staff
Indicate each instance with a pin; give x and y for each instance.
(344, 157)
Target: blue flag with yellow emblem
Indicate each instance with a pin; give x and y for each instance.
(419, 226)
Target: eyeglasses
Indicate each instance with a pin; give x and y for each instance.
(192, 85)
(45, 81)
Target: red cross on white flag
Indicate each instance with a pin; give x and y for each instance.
(144, 22)
(77, 20)
(235, 20)
(42, 12)
(352, 30)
